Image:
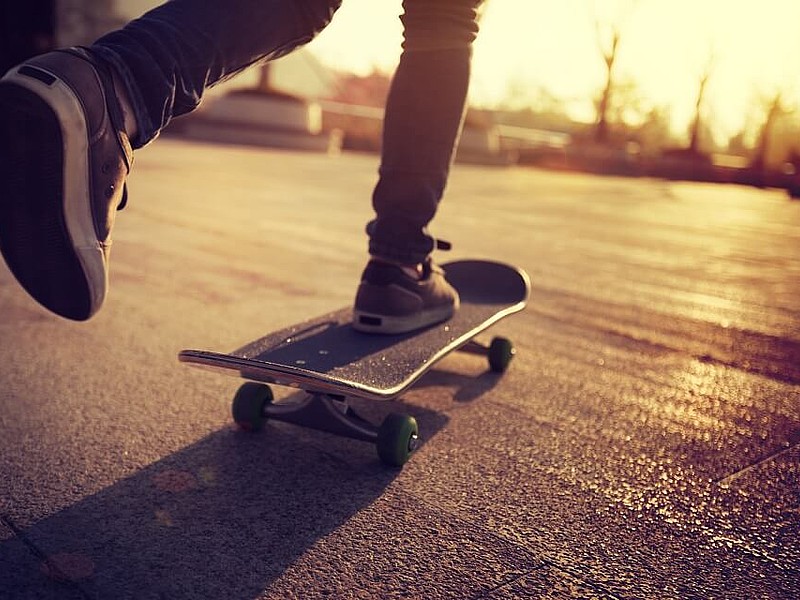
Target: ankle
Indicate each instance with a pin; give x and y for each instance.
(411, 269)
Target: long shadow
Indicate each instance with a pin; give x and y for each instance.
(221, 518)
(467, 388)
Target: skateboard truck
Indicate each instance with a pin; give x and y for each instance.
(395, 439)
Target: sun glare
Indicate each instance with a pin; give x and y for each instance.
(529, 46)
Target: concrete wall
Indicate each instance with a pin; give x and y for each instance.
(80, 22)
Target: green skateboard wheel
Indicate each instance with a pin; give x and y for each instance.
(501, 351)
(248, 405)
(398, 437)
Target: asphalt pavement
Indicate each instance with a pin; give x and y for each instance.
(644, 444)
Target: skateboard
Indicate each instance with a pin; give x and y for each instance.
(332, 363)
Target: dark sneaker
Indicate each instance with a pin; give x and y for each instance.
(393, 299)
(64, 161)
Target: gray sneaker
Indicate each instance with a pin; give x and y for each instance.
(62, 178)
(391, 300)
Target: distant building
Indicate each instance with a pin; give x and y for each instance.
(370, 90)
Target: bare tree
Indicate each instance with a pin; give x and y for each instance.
(609, 35)
(609, 57)
(697, 123)
(775, 107)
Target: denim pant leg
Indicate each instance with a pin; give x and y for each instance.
(170, 55)
(424, 116)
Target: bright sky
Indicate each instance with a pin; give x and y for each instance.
(526, 45)
(530, 44)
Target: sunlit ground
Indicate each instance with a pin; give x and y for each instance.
(644, 442)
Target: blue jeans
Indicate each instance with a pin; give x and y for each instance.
(169, 56)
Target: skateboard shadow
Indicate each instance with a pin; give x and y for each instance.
(222, 518)
(467, 388)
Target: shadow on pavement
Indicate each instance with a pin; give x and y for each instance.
(219, 519)
(466, 388)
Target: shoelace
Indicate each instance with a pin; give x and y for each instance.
(124, 202)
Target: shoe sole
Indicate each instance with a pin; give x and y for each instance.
(46, 228)
(372, 323)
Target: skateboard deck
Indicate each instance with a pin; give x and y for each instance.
(332, 362)
(327, 355)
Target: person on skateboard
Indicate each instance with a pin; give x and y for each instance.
(71, 119)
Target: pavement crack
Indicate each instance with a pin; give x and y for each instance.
(543, 561)
(20, 535)
(511, 580)
(47, 564)
(594, 586)
(728, 479)
(552, 566)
